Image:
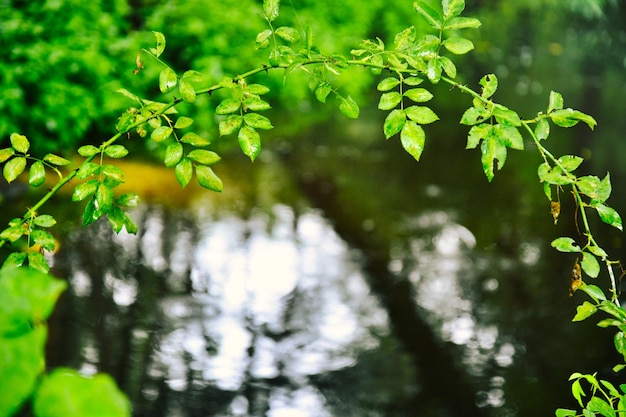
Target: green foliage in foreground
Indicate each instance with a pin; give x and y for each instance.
(406, 66)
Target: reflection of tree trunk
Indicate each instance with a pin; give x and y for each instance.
(445, 387)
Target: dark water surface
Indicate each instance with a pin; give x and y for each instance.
(333, 279)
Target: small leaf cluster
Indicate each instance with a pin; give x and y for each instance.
(15, 159)
(606, 400)
(241, 115)
(38, 240)
(494, 127)
(99, 181)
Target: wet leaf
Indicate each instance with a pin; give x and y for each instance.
(490, 84)
(88, 150)
(394, 122)
(183, 122)
(43, 239)
(584, 311)
(127, 200)
(458, 46)
(230, 124)
(167, 80)
(413, 137)
(187, 92)
(249, 142)
(609, 215)
(19, 142)
(388, 84)
(86, 170)
(349, 107)
(104, 198)
(37, 174)
(389, 100)
(173, 154)
(184, 171)
(161, 133)
(115, 151)
(257, 121)
(44, 220)
(195, 140)
(420, 114)
(91, 212)
(418, 95)
(590, 265)
(565, 244)
(203, 157)
(12, 233)
(207, 178)
(55, 160)
(13, 168)
(113, 175)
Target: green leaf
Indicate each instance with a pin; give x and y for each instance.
(230, 124)
(570, 117)
(452, 8)
(127, 200)
(418, 95)
(490, 84)
(6, 153)
(228, 106)
(542, 130)
(183, 122)
(113, 176)
(598, 405)
(91, 212)
(421, 114)
(412, 81)
(590, 265)
(187, 92)
(510, 136)
(12, 233)
(88, 150)
(22, 362)
(462, 23)
(104, 198)
(570, 162)
(37, 174)
(19, 142)
(475, 115)
(160, 44)
(249, 142)
(184, 171)
(194, 140)
(14, 260)
(433, 70)
(167, 80)
(86, 170)
(430, 15)
(458, 46)
(322, 91)
(259, 89)
(594, 188)
(256, 104)
(448, 66)
(257, 121)
(593, 291)
(55, 160)
(554, 175)
(388, 84)
(585, 310)
(173, 154)
(66, 393)
(413, 137)
(404, 39)
(44, 220)
(161, 133)
(609, 215)
(270, 9)
(349, 107)
(565, 244)
(389, 100)
(476, 134)
(288, 33)
(43, 239)
(493, 156)
(116, 219)
(208, 179)
(262, 39)
(203, 157)
(506, 116)
(394, 122)
(564, 412)
(115, 151)
(556, 101)
(14, 168)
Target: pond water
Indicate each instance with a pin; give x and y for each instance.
(331, 280)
